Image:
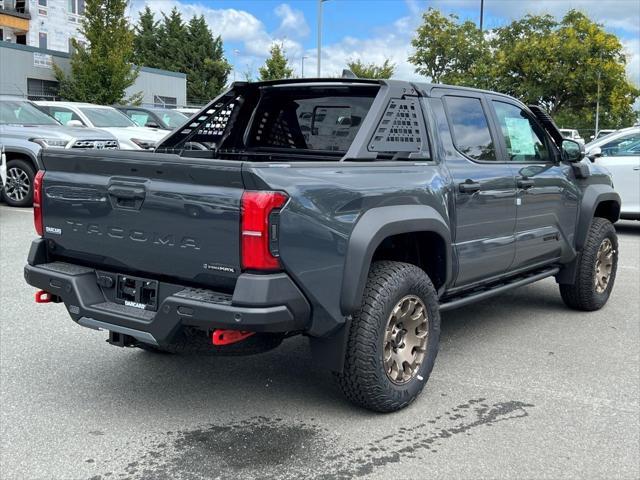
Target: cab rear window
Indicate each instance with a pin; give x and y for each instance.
(303, 119)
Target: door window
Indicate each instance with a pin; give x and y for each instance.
(140, 118)
(470, 128)
(63, 115)
(626, 146)
(525, 139)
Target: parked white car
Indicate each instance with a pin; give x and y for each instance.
(129, 135)
(571, 134)
(619, 152)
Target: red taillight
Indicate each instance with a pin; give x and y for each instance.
(37, 201)
(259, 234)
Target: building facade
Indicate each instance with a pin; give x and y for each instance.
(34, 34)
(46, 24)
(27, 71)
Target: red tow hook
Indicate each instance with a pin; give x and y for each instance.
(227, 337)
(43, 297)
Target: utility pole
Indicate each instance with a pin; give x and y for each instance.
(304, 57)
(595, 134)
(481, 13)
(320, 36)
(236, 52)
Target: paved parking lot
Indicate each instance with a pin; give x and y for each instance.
(522, 388)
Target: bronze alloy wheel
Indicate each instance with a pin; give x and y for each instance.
(405, 339)
(604, 265)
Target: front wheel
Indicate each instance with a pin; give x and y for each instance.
(18, 192)
(393, 338)
(597, 268)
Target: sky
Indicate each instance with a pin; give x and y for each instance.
(371, 30)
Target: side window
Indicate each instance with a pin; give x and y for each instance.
(622, 147)
(525, 139)
(63, 115)
(470, 128)
(139, 118)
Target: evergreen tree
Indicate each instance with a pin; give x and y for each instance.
(276, 66)
(102, 70)
(173, 42)
(145, 42)
(205, 65)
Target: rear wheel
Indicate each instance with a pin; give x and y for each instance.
(18, 192)
(597, 269)
(393, 339)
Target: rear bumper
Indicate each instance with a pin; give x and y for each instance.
(260, 303)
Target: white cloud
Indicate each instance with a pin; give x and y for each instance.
(632, 51)
(235, 25)
(622, 14)
(292, 22)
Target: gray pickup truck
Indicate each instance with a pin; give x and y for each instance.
(350, 211)
(24, 131)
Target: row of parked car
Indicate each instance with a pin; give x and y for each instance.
(26, 127)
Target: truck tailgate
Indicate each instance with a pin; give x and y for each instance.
(147, 214)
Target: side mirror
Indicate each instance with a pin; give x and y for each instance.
(594, 153)
(152, 125)
(75, 123)
(572, 151)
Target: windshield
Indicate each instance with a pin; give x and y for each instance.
(170, 118)
(107, 117)
(19, 112)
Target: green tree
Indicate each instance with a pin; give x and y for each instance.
(205, 65)
(102, 69)
(559, 66)
(145, 42)
(371, 70)
(173, 42)
(276, 66)
(449, 51)
(556, 64)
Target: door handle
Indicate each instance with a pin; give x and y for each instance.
(525, 183)
(636, 169)
(469, 186)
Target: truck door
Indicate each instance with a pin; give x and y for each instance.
(546, 197)
(483, 200)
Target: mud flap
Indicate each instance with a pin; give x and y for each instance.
(329, 352)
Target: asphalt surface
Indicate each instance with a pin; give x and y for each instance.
(522, 388)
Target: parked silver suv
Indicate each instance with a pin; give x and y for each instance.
(24, 131)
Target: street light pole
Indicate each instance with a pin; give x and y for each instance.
(481, 13)
(595, 134)
(319, 36)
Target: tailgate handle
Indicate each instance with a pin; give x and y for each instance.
(127, 196)
(121, 191)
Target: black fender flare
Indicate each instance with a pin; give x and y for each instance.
(371, 229)
(37, 165)
(593, 196)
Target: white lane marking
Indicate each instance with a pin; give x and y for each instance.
(21, 210)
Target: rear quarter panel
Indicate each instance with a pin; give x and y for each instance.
(326, 202)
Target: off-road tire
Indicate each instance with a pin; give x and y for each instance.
(198, 342)
(582, 294)
(28, 169)
(364, 380)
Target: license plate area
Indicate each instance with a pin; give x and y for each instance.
(137, 292)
